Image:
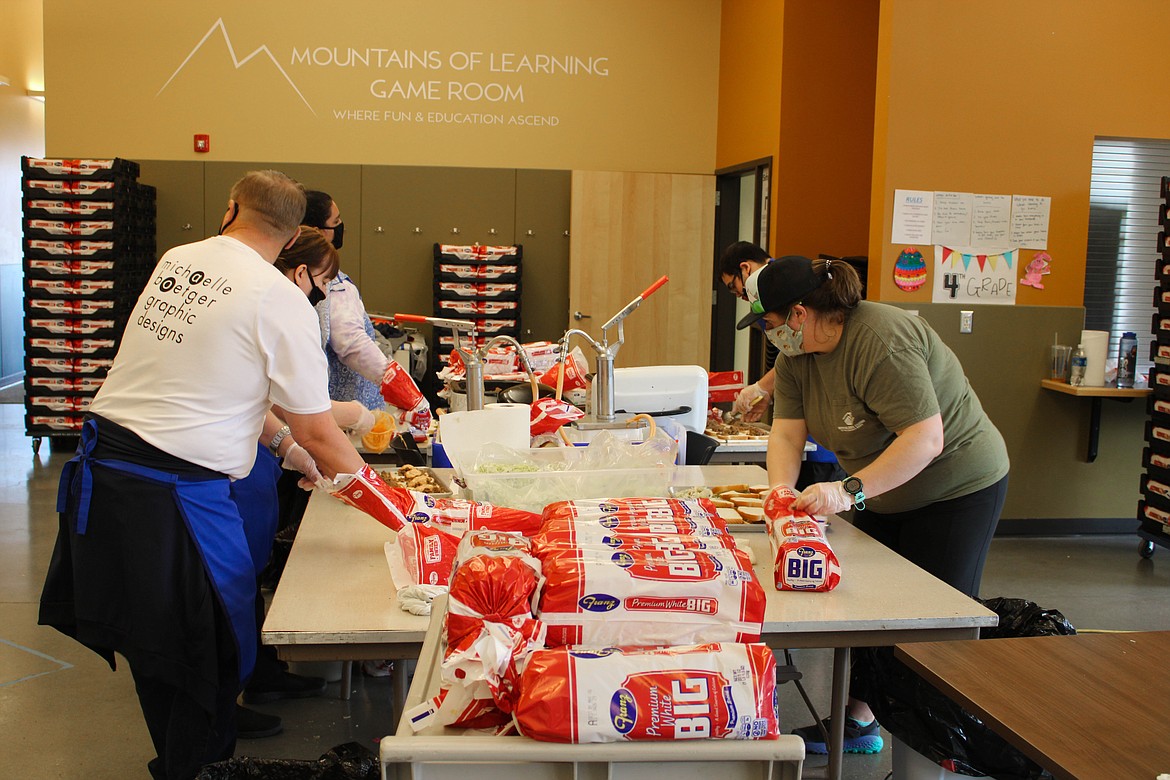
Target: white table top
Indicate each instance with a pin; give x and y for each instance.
(336, 599)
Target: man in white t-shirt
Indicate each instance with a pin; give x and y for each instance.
(152, 560)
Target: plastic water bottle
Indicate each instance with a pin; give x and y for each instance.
(1076, 374)
(1126, 359)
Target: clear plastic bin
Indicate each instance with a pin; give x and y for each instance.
(558, 478)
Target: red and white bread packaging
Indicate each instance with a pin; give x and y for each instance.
(710, 691)
(489, 632)
(644, 572)
(802, 556)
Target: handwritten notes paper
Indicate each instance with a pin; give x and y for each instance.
(1030, 221)
(952, 218)
(990, 222)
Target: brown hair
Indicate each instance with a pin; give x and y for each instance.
(311, 249)
(271, 201)
(839, 292)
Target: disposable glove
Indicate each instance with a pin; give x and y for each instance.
(750, 401)
(823, 498)
(366, 491)
(365, 421)
(298, 459)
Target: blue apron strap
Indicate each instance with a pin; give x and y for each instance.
(69, 472)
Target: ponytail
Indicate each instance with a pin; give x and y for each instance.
(839, 292)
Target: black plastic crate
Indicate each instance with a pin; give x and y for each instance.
(103, 307)
(478, 253)
(477, 272)
(67, 384)
(75, 189)
(476, 291)
(65, 208)
(74, 229)
(39, 404)
(57, 366)
(66, 347)
(75, 327)
(37, 268)
(53, 424)
(477, 309)
(93, 169)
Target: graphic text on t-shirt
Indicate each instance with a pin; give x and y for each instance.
(180, 294)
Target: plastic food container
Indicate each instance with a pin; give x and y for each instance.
(378, 439)
(559, 476)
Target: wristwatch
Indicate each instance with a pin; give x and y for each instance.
(277, 439)
(854, 488)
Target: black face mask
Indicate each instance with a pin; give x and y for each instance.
(316, 295)
(231, 219)
(338, 234)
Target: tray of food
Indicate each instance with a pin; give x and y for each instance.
(738, 430)
(418, 478)
(737, 504)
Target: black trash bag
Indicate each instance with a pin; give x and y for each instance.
(928, 721)
(1019, 617)
(351, 761)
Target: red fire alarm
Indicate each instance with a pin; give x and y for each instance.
(202, 142)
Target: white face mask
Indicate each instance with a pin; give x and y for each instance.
(790, 342)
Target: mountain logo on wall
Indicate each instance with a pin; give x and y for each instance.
(236, 61)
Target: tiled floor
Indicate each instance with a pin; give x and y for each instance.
(63, 714)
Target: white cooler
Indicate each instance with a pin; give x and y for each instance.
(678, 393)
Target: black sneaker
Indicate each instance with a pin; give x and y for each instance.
(858, 738)
(286, 685)
(251, 724)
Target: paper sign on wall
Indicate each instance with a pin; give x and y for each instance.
(974, 275)
(1030, 221)
(913, 210)
(952, 218)
(990, 220)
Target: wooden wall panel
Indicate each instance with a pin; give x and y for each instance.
(628, 229)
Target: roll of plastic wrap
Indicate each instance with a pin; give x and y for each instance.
(1096, 344)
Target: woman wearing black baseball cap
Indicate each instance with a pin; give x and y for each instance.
(928, 471)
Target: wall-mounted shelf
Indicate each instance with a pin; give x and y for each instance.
(1095, 394)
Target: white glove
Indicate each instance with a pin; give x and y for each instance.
(298, 459)
(751, 396)
(823, 498)
(365, 421)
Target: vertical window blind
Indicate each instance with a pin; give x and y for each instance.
(1124, 197)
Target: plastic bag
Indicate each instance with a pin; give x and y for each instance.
(929, 722)
(609, 451)
(1019, 617)
(351, 761)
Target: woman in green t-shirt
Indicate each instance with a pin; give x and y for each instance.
(928, 471)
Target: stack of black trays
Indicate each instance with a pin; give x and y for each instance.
(1154, 508)
(89, 247)
(480, 283)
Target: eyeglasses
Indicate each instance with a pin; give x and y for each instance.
(736, 290)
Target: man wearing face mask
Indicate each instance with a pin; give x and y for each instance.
(358, 369)
(740, 262)
(928, 471)
(153, 559)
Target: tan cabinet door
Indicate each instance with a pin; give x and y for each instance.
(628, 229)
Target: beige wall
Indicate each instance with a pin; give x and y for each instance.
(274, 80)
(22, 119)
(1001, 96)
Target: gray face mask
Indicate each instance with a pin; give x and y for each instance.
(790, 342)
